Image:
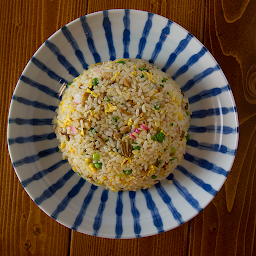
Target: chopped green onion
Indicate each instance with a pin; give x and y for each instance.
(116, 125)
(96, 156)
(109, 100)
(106, 140)
(69, 84)
(164, 149)
(187, 137)
(168, 93)
(121, 61)
(154, 177)
(127, 172)
(98, 165)
(142, 68)
(164, 80)
(122, 103)
(173, 150)
(95, 81)
(173, 158)
(79, 173)
(136, 148)
(160, 137)
(142, 76)
(187, 113)
(153, 138)
(157, 106)
(116, 118)
(162, 85)
(171, 124)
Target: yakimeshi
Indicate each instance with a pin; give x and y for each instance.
(123, 124)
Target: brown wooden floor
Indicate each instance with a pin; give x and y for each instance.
(227, 226)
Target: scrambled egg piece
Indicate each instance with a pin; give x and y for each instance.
(67, 122)
(92, 168)
(129, 122)
(94, 94)
(151, 170)
(180, 117)
(110, 108)
(134, 73)
(62, 145)
(88, 160)
(115, 76)
(74, 169)
(150, 76)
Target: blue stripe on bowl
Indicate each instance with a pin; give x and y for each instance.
(126, 33)
(34, 122)
(119, 212)
(135, 213)
(205, 164)
(71, 194)
(199, 77)
(40, 87)
(48, 71)
(208, 94)
(87, 201)
(168, 201)
(181, 47)
(213, 128)
(144, 36)
(98, 218)
(185, 193)
(34, 104)
(34, 158)
(33, 138)
(207, 187)
(108, 33)
(90, 42)
(53, 188)
(41, 174)
(211, 147)
(75, 46)
(157, 220)
(61, 58)
(191, 61)
(158, 47)
(212, 112)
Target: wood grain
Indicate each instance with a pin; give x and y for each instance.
(24, 26)
(227, 225)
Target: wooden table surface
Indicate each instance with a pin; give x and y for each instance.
(227, 225)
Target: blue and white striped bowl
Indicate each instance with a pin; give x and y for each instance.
(79, 205)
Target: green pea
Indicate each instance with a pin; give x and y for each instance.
(154, 177)
(142, 68)
(127, 172)
(98, 165)
(153, 138)
(96, 156)
(173, 150)
(95, 81)
(160, 137)
(168, 93)
(136, 148)
(164, 80)
(187, 137)
(69, 84)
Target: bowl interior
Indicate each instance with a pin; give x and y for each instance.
(77, 204)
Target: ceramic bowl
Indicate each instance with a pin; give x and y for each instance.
(81, 206)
